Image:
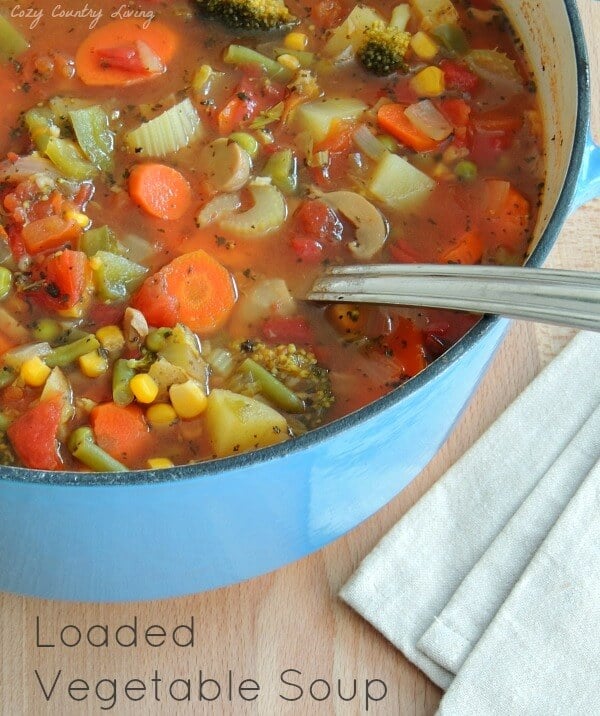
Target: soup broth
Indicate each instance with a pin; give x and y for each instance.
(171, 183)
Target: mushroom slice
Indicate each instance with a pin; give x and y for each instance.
(267, 214)
(221, 205)
(226, 165)
(135, 327)
(371, 228)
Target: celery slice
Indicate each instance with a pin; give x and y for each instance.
(12, 43)
(95, 138)
(67, 158)
(172, 130)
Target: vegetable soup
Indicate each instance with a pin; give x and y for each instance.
(175, 175)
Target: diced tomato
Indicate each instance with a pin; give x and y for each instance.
(105, 314)
(406, 347)
(403, 91)
(33, 435)
(486, 147)
(316, 220)
(338, 140)
(327, 13)
(234, 114)
(48, 233)
(458, 76)
(125, 57)
(444, 328)
(252, 96)
(61, 279)
(308, 250)
(287, 329)
(155, 302)
(457, 111)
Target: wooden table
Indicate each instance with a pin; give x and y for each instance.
(290, 619)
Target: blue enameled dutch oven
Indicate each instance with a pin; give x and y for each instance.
(152, 534)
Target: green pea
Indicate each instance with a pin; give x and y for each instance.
(47, 330)
(466, 171)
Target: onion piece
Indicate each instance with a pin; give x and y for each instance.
(495, 194)
(15, 357)
(368, 143)
(426, 117)
(27, 166)
(152, 61)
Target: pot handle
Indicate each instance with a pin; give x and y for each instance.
(588, 183)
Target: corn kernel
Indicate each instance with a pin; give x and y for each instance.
(289, 62)
(296, 41)
(158, 463)
(429, 82)
(161, 414)
(93, 364)
(424, 47)
(144, 387)
(78, 217)
(188, 399)
(111, 338)
(34, 372)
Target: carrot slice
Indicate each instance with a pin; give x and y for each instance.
(468, 249)
(194, 289)
(508, 224)
(121, 431)
(93, 70)
(160, 190)
(392, 118)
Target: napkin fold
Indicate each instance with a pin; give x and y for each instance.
(436, 585)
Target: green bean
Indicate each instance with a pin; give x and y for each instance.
(241, 55)
(306, 59)
(466, 171)
(5, 421)
(5, 282)
(82, 446)
(63, 355)
(246, 141)
(122, 374)
(272, 388)
(47, 330)
(6, 376)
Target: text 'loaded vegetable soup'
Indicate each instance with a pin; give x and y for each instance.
(175, 174)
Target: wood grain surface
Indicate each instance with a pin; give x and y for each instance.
(290, 619)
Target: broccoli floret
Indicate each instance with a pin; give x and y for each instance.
(249, 14)
(297, 369)
(384, 49)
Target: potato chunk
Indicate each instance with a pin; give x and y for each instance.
(237, 424)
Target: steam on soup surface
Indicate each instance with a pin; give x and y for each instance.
(175, 173)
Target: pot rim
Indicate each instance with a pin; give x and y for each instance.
(214, 468)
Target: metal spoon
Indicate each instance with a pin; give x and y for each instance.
(567, 298)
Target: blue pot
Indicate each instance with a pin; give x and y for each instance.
(165, 533)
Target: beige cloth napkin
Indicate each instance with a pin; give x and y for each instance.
(435, 584)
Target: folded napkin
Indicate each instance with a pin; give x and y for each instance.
(439, 585)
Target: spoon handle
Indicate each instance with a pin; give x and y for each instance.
(568, 298)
